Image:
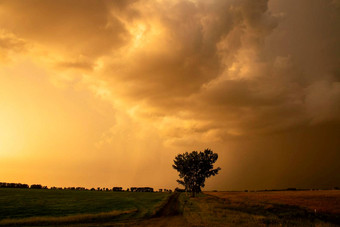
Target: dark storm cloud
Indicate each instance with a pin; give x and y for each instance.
(215, 64)
(240, 70)
(259, 80)
(194, 48)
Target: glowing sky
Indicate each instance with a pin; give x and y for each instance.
(106, 93)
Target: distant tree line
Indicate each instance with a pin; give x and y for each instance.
(19, 185)
(13, 185)
(164, 190)
(115, 189)
(141, 189)
(38, 186)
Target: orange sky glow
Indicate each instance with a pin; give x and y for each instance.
(106, 93)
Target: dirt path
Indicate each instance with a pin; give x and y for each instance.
(168, 215)
(171, 208)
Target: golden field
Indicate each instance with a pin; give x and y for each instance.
(319, 201)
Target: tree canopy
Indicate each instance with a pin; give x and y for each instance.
(194, 168)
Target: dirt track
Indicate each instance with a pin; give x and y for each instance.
(168, 215)
(171, 208)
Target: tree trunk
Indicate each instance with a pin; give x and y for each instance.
(194, 190)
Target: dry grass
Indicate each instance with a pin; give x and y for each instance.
(284, 208)
(207, 211)
(81, 218)
(323, 201)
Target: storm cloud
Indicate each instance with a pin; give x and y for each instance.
(256, 81)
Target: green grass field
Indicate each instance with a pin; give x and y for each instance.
(27, 204)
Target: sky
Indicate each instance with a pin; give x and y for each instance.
(106, 93)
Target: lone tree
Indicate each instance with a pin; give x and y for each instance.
(194, 168)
